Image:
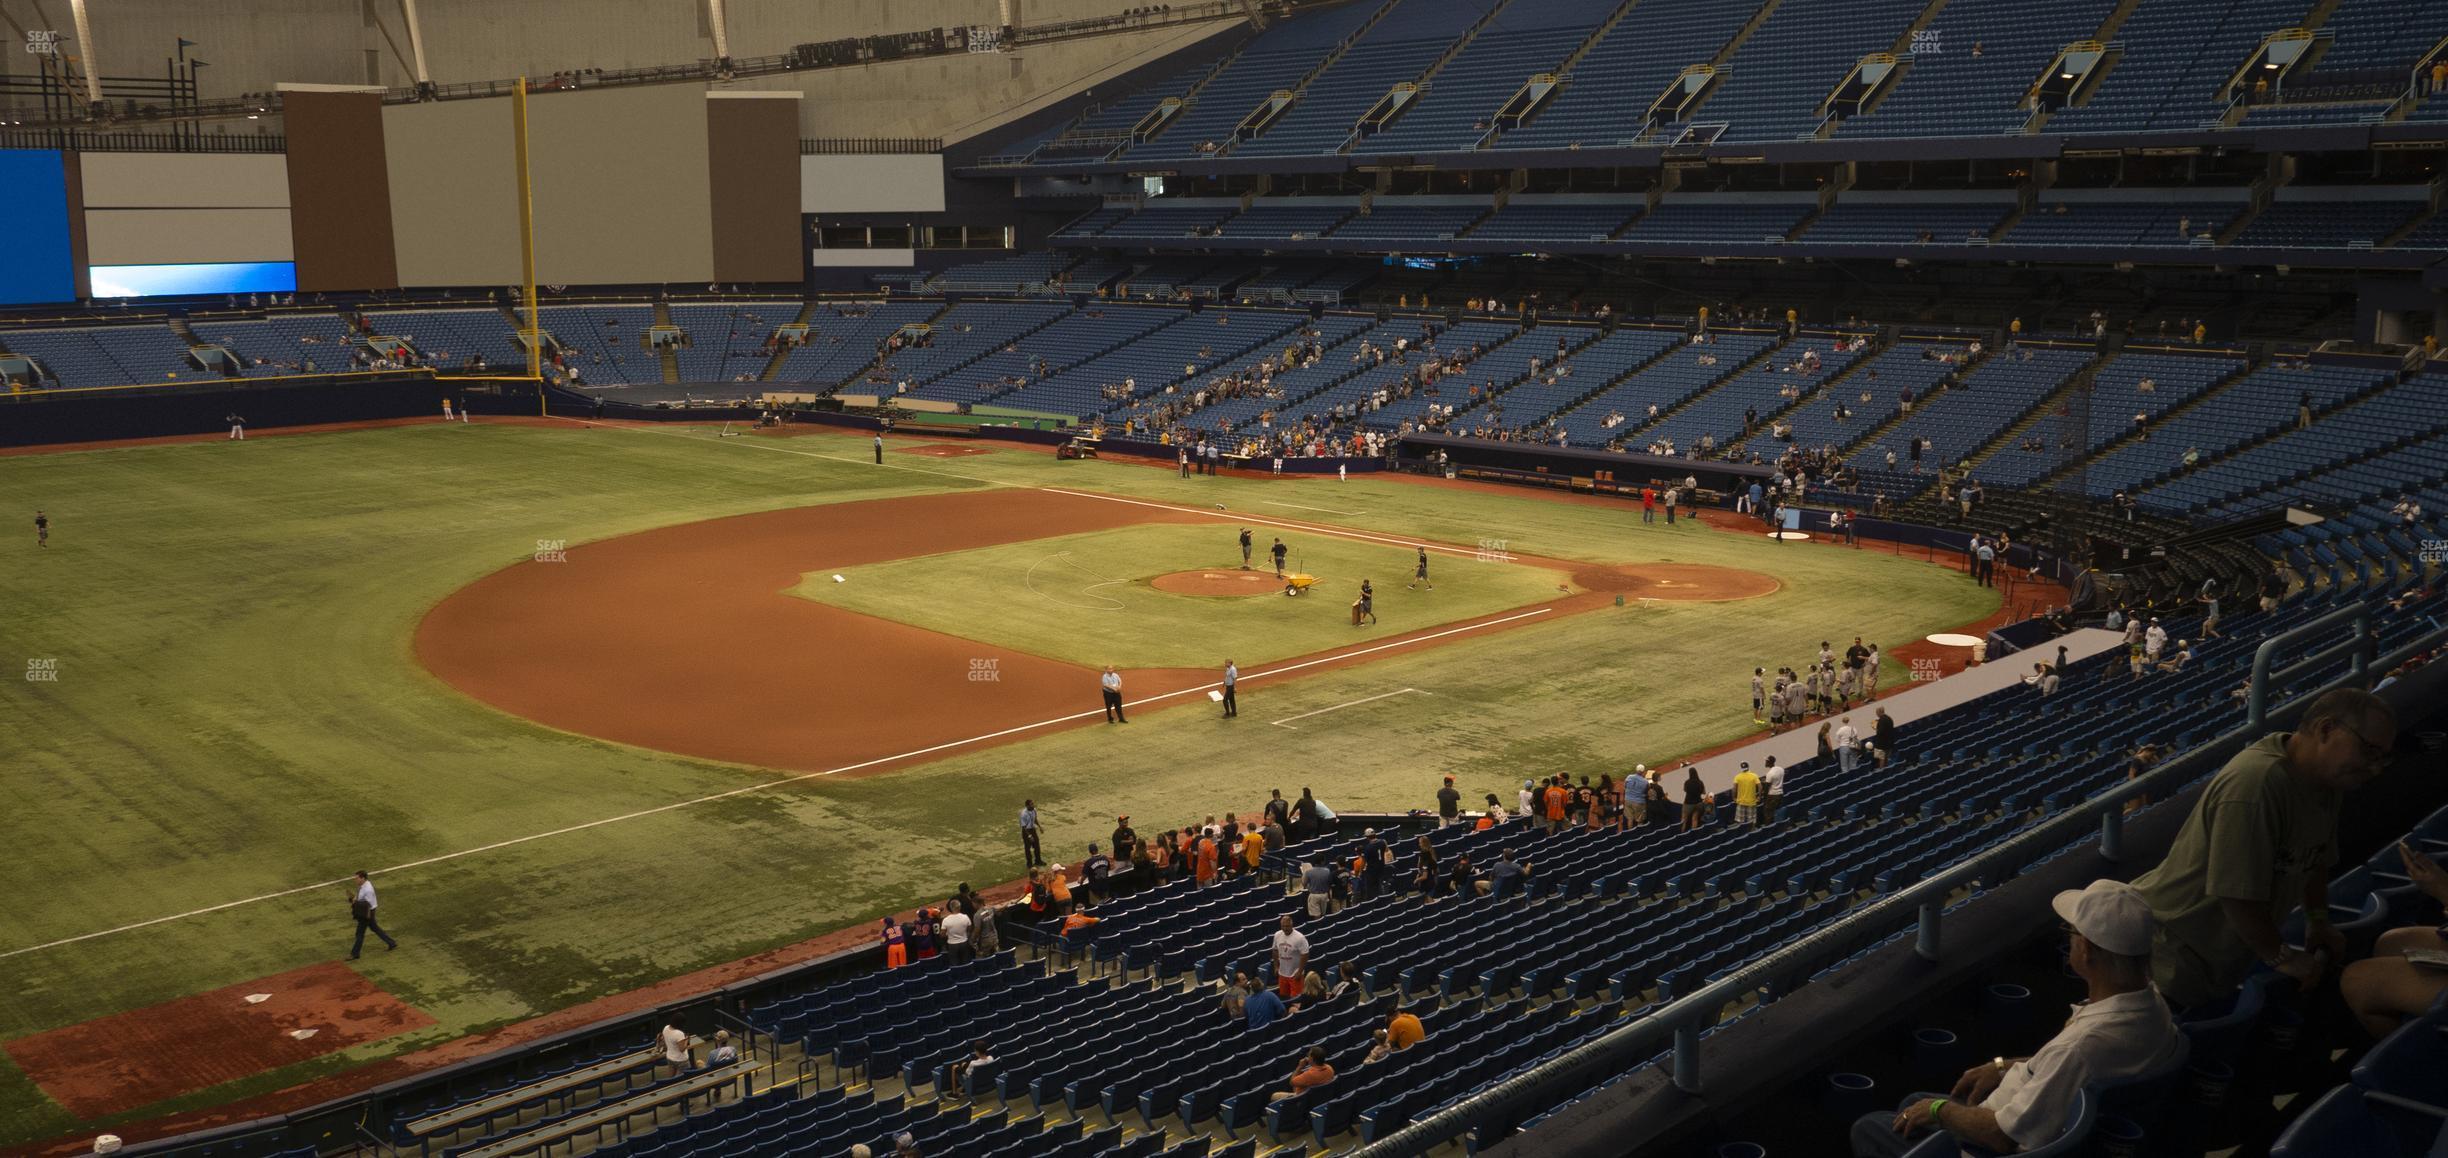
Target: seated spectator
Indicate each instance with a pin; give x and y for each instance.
(723, 1053)
(1404, 1031)
(1076, 920)
(1463, 881)
(1236, 993)
(2183, 656)
(979, 1055)
(2386, 988)
(1262, 1007)
(1310, 1072)
(1506, 878)
(2121, 1031)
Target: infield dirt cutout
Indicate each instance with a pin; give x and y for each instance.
(685, 639)
(110, 1064)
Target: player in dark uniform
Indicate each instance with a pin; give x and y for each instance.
(1280, 551)
(1419, 577)
(1368, 603)
(42, 529)
(1245, 549)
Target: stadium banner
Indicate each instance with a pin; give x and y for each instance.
(752, 173)
(621, 195)
(36, 199)
(453, 176)
(339, 190)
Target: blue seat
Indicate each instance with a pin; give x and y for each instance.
(2350, 1122)
(2411, 1063)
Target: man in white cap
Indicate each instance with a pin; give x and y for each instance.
(2122, 1031)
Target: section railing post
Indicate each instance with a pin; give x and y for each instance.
(1926, 944)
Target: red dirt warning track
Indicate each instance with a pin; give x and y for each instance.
(143, 1056)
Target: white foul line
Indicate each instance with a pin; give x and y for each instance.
(1299, 507)
(1286, 722)
(762, 785)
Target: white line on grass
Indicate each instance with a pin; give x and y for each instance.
(774, 783)
(1298, 507)
(1286, 722)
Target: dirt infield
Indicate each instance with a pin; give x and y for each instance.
(143, 1056)
(1218, 583)
(683, 640)
(942, 450)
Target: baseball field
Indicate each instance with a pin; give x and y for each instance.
(595, 709)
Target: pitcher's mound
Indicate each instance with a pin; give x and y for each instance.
(1218, 582)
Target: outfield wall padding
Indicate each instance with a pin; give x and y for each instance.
(50, 418)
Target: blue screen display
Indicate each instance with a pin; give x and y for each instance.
(220, 277)
(34, 256)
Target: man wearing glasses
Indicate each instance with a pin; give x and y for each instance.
(2260, 841)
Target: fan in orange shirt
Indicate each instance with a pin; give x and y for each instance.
(1206, 868)
(1405, 1031)
(1557, 796)
(1253, 847)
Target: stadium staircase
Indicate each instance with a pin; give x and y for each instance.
(877, 362)
(2128, 438)
(1427, 76)
(669, 356)
(1507, 386)
(2044, 411)
(2277, 429)
(773, 365)
(1604, 385)
(1326, 61)
(1631, 433)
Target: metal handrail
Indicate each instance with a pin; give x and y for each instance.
(2361, 647)
(1679, 1023)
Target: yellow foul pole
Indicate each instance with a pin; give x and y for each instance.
(534, 333)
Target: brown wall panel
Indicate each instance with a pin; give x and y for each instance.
(78, 262)
(339, 191)
(752, 162)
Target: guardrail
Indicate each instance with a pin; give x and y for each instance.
(1678, 1025)
(827, 146)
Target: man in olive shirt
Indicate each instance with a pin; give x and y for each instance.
(2260, 841)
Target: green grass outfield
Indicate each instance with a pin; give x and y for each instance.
(237, 712)
(1086, 598)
